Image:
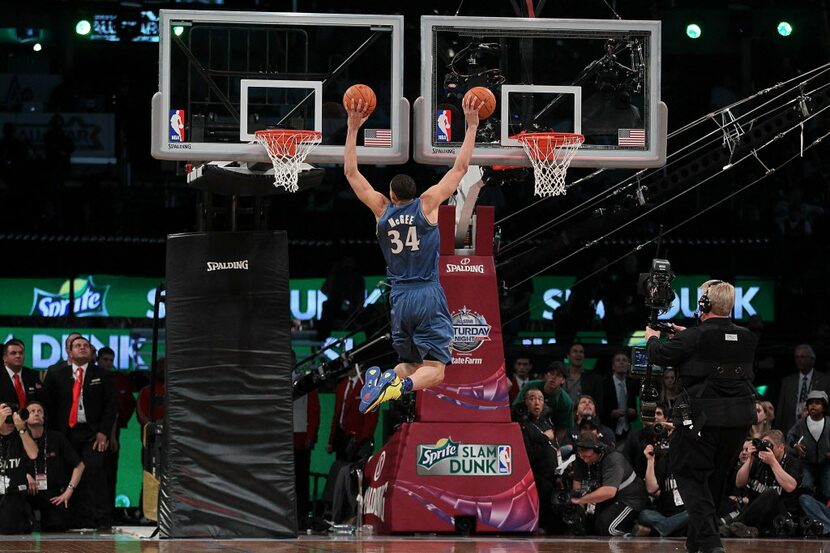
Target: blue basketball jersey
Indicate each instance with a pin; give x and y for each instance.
(410, 244)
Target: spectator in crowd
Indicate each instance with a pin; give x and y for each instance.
(350, 437)
(620, 397)
(19, 450)
(586, 419)
(156, 397)
(124, 392)
(83, 407)
(670, 389)
(306, 426)
(668, 516)
(522, 368)
(540, 444)
(763, 425)
(795, 387)
(810, 441)
(20, 384)
(57, 473)
(772, 478)
(615, 490)
(816, 510)
(769, 411)
(558, 402)
(581, 383)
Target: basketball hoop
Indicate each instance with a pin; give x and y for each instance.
(287, 149)
(551, 154)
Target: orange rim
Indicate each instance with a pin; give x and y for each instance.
(547, 142)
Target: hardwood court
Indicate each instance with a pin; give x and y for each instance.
(124, 543)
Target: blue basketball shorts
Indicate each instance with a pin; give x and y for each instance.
(421, 324)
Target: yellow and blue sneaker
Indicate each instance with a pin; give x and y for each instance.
(378, 388)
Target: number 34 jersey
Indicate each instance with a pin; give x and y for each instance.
(409, 243)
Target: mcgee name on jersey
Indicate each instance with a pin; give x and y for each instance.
(402, 220)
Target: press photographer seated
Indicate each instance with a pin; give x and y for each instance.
(637, 440)
(771, 477)
(615, 493)
(668, 514)
(586, 419)
(17, 451)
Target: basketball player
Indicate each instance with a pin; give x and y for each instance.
(407, 230)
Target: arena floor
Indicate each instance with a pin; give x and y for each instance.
(132, 540)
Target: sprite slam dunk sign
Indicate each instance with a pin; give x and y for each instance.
(449, 458)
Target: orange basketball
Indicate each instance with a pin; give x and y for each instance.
(361, 92)
(487, 99)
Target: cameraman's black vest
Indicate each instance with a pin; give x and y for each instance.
(722, 371)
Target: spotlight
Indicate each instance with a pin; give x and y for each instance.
(178, 30)
(784, 28)
(83, 27)
(693, 30)
(37, 47)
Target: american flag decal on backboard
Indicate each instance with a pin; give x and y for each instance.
(631, 137)
(377, 137)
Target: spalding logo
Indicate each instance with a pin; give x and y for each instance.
(465, 267)
(226, 265)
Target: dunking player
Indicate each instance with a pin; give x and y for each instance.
(407, 230)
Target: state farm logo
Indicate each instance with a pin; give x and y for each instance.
(226, 265)
(470, 330)
(464, 267)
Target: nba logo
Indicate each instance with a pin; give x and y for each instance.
(443, 123)
(505, 461)
(176, 125)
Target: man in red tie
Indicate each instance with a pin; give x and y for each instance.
(21, 384)
(83, 404)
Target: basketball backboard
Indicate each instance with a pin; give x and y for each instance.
(599, 78)
(224, 75)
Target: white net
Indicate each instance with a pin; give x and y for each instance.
(287, 150)
(550, 154)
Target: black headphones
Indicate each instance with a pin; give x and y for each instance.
(704, 304)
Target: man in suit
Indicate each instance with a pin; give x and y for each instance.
(83, 406)
(578, 382)
(619, 409)
(64, 362)
(522, 368)
(20, 384)
(795, 388)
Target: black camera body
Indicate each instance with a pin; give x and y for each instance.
(762, 445)
(24, 413)
(656, 285)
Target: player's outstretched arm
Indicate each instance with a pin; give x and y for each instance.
(435, 195)
(376, 201)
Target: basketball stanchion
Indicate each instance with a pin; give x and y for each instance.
(551, 154)
(287, 150)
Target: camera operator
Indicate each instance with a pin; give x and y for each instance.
(715, 410)
(668, 514)
(617, 494)
(540, 444)
(17, 451)
(810, 441)
(771, 477)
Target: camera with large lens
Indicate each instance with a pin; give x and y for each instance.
(24, 413)
(656, 285)
(762, 445)
(657, 435)
(784, 525)
(811, 526)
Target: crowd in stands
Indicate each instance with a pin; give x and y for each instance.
(600, 471)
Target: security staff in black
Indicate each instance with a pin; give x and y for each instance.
(714, 363)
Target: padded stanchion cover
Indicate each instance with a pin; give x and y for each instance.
(229, 469)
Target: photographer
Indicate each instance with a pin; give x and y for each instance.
(771, 477)
(616, 493)
(586, 419)
(716, 409)
(637, 440)
(669, 513)
(17, 451)
(810, 441)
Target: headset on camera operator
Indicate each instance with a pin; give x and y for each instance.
(771, 477)
(714, 362)
(617, 493)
